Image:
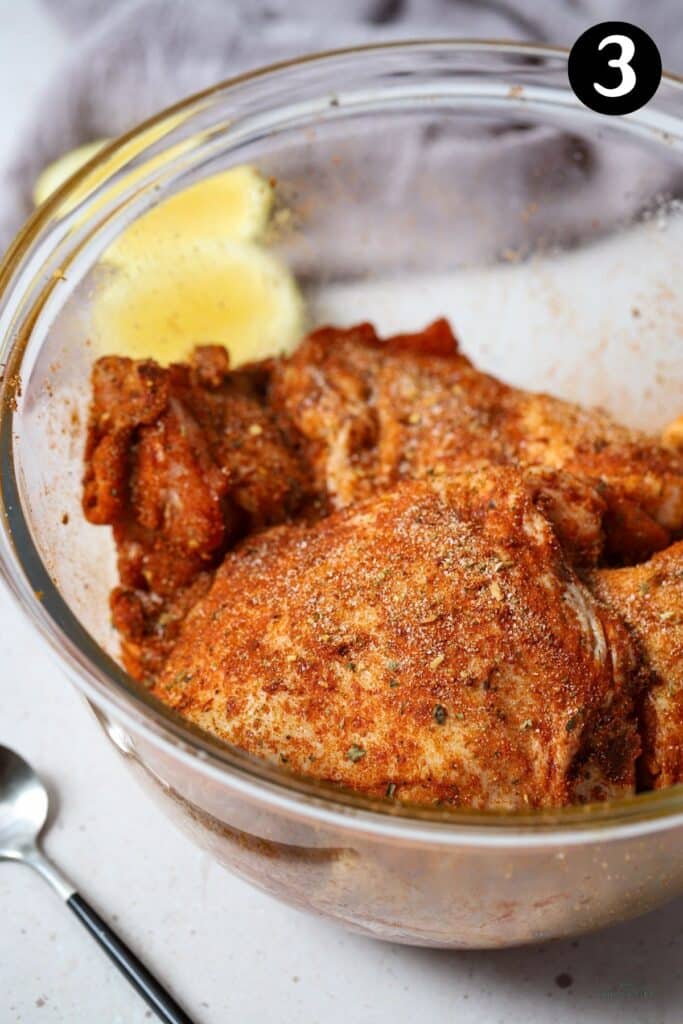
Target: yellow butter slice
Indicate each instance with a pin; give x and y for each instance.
(218, 291)
(233, 204)
(190, 271)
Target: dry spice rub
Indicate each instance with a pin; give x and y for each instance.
(387, 569)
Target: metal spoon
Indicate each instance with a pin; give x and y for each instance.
(23, 810)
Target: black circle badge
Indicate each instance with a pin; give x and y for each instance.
(615, 68)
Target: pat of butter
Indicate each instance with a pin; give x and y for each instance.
(191, 271)
(216, 291)
(234, 204)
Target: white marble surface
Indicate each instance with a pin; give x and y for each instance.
(228, 952)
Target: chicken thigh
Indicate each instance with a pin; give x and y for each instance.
(430, 643)
(649, 598)
(181, 461)
(375, 412)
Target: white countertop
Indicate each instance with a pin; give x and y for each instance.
(228, 952)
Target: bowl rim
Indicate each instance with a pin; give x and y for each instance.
(108, 687)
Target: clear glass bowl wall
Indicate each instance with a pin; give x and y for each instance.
(418, 180)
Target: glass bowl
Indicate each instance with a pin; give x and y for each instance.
(413, 180)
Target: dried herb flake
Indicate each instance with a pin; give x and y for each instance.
(439, 714)
(355, 753)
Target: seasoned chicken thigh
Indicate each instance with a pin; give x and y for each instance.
(375, 412)
(649, 598)
(181, 461)
(430, 643)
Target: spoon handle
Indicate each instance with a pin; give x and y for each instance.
(137, 974)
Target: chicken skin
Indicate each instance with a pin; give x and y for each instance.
(429, 643)
(649, 598)
(376, 412)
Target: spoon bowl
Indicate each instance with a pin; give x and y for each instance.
(23, 806)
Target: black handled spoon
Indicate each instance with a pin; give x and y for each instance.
(23, 811)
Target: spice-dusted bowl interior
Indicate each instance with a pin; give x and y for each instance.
(405, 183)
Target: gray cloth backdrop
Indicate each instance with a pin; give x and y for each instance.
(130, 59)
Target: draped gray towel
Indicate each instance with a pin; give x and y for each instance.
(130, 59)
